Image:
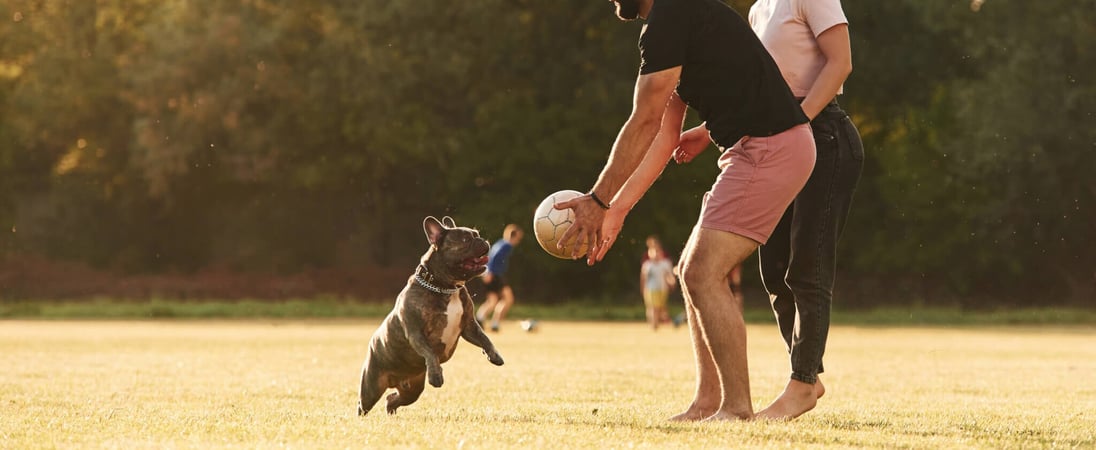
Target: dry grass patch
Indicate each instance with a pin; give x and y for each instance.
(201, 384)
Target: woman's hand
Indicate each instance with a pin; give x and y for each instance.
(610, 229)
(691, 143)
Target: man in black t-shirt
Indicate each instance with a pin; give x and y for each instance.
(701, 54)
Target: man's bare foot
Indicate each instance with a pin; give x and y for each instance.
(819, 389)
(693, 414)
(798, 397)
(725, 416)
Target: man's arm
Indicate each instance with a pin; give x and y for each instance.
(652, 93)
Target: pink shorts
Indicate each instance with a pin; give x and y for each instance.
(760, 177)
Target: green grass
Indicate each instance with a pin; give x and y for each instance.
(104, 308)
(291, 383)
(332, 308)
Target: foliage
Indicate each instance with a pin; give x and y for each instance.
(979, 174)
(276, 136)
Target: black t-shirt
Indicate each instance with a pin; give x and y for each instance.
(726, 73)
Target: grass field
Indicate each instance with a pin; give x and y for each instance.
(278, 383)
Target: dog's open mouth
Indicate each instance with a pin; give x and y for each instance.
(475, 264)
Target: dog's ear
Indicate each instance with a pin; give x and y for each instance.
(433, 229)
(448, 222)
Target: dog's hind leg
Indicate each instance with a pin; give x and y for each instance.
(407, 392)
(371, 390)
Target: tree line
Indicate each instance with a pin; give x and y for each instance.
(274, 136)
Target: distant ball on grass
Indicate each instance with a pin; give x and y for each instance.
(549, 224)
(529, 325)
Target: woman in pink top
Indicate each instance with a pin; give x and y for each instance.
(809, 40)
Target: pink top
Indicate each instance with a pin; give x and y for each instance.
(788, 29)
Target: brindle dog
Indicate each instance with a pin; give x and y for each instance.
(431, 312)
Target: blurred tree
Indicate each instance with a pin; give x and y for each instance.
(975, 175)
(278, 136)
(1024, 148)
(66, 125)
(904, 63)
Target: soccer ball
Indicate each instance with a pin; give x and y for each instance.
(529, 325)
(549, 224)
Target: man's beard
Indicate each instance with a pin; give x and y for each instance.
(627, 9)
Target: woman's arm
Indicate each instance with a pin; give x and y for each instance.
(692, 143)
(636, 137)
(834, 44)
(658, 155)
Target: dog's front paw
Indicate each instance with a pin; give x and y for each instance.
(435, 378)
(495, 358)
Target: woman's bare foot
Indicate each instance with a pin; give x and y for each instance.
(798, 397)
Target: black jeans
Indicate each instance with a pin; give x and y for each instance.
(798, 262)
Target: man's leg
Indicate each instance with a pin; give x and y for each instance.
(708, 393)
(735, 280)
(487, 307)
(709, 258)
(506, 300)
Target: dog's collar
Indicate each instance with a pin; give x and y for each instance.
(422, 281)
